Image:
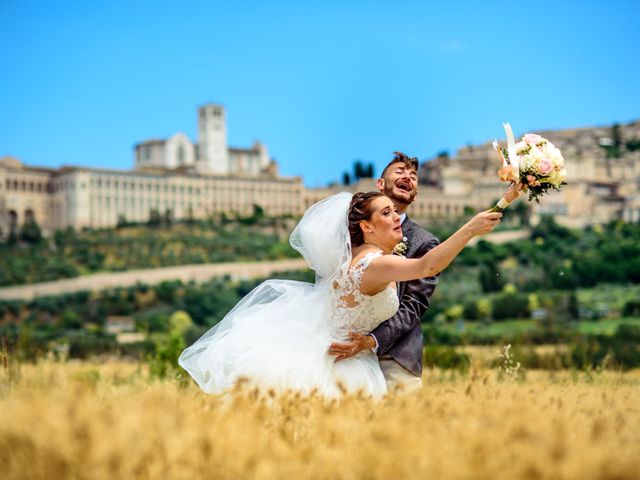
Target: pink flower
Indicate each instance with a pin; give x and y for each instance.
(533, 138)
(545, 167)
(532, 181)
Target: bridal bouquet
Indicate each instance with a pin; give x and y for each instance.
(534, 162)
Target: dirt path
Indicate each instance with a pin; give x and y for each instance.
(197, 273)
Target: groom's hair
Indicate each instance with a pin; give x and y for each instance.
(409, 162)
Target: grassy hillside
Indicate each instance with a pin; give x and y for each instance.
(69, 253)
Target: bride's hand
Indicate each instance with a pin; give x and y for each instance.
(514, 191)
(358, 343)
(482, 223)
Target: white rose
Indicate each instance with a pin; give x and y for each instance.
(526, 162)
(521, 147)
(537, 156)
(556, 178)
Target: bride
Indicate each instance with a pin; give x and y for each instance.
(279, 334)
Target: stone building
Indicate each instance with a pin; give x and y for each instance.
(429, 204)
(603, 175)
(210, 155)
(175, 175)
(207, 177)
(97, 198)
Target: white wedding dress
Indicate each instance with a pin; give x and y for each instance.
(278, 336)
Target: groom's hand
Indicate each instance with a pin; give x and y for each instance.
(358, 343)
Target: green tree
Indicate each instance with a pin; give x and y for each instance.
(468, 211)
(30, 232)
(154, 218)
(70, 320)
(369, 170)
(190, 220)
(258, 212)
(633, 145)
(170, 346)
(358, 170)
(614, 148)
(490, 278)
(522, 210)
(12, 238)
(168, 217)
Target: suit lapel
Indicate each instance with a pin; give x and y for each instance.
(407, 230)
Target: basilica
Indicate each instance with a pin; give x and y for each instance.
(197, 179)
(176, 175)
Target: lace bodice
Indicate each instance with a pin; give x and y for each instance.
(355, 311)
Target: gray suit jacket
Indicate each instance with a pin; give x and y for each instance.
(401, 335)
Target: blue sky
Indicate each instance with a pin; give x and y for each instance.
(321, 84)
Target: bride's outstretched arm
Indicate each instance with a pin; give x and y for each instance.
(391, 268)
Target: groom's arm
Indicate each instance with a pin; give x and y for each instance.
(413, 304)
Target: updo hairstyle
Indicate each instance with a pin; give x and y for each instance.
(359, 210)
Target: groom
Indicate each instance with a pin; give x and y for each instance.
(398, 340)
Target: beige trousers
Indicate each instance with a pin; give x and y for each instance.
(397, 376)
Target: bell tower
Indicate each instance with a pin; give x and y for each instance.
(212, 138)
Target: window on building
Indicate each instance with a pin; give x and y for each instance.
(13, 218)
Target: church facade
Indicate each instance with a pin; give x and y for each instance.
(186, 179)
(210, 155)
(174, 176)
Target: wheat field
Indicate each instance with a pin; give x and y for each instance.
(106, 421)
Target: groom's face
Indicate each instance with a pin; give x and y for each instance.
(399, 182)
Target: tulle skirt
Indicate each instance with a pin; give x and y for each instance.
(277, 338)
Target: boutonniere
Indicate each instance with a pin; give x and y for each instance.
(401, 247)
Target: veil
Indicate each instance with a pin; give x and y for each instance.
(280, 321)
(322, 236)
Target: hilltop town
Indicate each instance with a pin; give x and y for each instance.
(182, 178)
